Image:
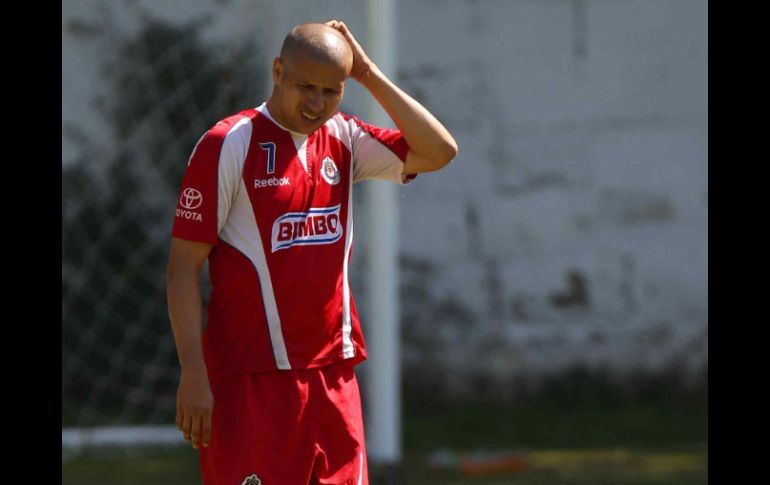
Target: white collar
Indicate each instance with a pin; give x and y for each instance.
(263, 109)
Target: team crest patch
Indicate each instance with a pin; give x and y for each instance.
(329, 171)
(252, 479)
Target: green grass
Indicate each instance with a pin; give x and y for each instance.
(161, 466)
(538, 425)
(587, 443)
(683, 465)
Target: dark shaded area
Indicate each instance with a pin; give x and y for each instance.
(576, 293)
(572, 390)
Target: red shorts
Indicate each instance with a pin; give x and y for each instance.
(293, 427)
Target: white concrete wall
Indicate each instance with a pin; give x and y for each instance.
(584, 151)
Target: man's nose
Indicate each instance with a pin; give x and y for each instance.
(315, 102)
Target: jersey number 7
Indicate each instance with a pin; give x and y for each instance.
(270, 147)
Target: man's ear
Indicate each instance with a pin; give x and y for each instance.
(277, 70)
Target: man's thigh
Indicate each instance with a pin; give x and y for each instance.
(337, 428)
(259, 428)
(289, 427)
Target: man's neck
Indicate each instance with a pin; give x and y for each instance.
(272, 108)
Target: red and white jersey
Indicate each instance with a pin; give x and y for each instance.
(277, 205)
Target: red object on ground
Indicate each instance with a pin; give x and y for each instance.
(489, 465)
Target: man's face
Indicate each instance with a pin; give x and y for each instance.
(307, 92)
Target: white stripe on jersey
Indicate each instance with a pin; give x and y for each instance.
(360, 467)
(240, 230)
(231, 159)
(347, 344)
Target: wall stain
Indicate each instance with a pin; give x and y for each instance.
(576, 293)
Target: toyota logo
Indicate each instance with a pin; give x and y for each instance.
(191, 199)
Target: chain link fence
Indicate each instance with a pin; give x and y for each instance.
(160, 86)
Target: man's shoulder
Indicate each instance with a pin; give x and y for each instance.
(233, 121)
(352, 123)
(343, 117)
(237, 128)
(342, 122)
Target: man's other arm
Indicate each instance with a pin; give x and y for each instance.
(195, 402)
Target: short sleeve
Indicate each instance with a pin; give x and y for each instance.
(377, 153)
(211, 181)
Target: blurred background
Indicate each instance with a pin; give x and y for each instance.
(553, 278)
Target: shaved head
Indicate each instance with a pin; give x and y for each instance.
(319, 43)
(309, 77)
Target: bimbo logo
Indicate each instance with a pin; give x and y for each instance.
(316, 226)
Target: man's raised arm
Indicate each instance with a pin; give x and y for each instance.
(431, 147)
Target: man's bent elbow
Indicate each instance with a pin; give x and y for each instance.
(438, 158)
(447, 154)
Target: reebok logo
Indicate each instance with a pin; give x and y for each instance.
(271, 182)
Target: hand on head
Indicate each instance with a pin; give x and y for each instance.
(361, 62)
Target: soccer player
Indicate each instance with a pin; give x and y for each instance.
(268, 393)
